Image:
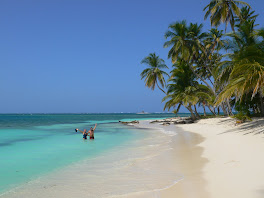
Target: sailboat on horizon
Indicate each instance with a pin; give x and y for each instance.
(143, 112)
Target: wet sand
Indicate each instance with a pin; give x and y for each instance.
(185, 156)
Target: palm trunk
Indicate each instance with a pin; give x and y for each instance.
(199, 77)
(210, 108)
(224, 109)
(160, 88)
(229, 108)
(178, 108)
(196, 113)
(204, 110)
(191, 111)
(218, 110)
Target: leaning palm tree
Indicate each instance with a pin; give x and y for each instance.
(223, 11)
(154, 74)
(180, 90)
(187, 98)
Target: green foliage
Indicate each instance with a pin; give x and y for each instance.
(242, 117)
(154, 74)
(243, 73)
(175, 111)
(184, 40)
(181, 78)
(202, 75)
(211, 116)
(223, 11)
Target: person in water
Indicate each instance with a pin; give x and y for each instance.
(89, 133)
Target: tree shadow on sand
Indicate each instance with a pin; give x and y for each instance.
(255, 127)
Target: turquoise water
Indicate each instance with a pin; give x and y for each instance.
(33, 145)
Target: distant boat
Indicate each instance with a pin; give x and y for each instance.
(143, 112)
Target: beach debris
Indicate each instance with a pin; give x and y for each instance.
(166, 123)
(169, 121)
(155, 121)
(131, 122)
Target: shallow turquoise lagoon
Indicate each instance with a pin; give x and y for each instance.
(34, 145)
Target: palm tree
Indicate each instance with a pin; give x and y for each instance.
(181, 78)
(185, 42)
(245, 15)
(214, 41)
(186, 98)
(206, 97)
(223, 11)
(179, 43)
(243, 73)
(154, 74)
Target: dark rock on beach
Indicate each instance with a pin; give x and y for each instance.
(169, 121)
(132, 122)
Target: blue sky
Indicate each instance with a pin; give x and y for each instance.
(84, 55)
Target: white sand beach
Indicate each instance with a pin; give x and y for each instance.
(234, 160)
(235, 156)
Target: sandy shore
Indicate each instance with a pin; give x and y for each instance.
(234, 154)
(186, 157)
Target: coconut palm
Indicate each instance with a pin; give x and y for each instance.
(206, 97)
(186, 43)
(154, 74)
(214, 41)
(179, 43)
(247, 74)
(184, 40)
(243, 73)
(223, 11)
(184, 90)
(246, 14)
(186, 98)
(181, 78)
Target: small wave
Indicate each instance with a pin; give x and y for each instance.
(170, 133)
(154, 192)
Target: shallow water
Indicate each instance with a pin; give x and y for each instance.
(131, 167)
(32, 146)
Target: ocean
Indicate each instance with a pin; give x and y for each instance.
(34, 145)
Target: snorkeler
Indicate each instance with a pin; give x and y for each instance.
(90, 132)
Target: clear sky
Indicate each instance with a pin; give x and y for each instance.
(84, 55)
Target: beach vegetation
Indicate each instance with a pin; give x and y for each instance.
(217, 70)
(241, 117)
(223, 11)
(154, 74)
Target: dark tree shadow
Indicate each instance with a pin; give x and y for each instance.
(255, 127)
